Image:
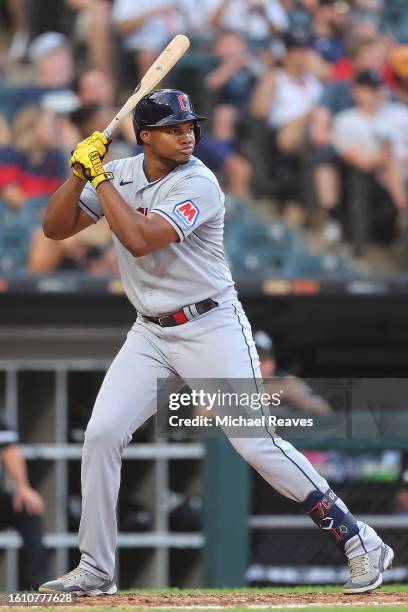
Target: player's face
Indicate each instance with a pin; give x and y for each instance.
(174, 143)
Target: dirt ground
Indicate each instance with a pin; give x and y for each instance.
(237, 599)
(242, 600)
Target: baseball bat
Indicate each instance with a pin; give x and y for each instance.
(157, 71)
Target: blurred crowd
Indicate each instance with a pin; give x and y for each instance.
(306, 99)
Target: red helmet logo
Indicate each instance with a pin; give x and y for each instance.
(184, 102)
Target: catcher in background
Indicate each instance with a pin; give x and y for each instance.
(166, 212)
(298, 394)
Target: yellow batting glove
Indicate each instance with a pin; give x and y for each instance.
(87, 160)
(76, 168)
(97, 140)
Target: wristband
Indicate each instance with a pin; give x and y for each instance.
(101, 178)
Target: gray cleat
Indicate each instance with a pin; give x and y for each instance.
(366, 570)
(79, 582)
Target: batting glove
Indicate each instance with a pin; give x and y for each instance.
(86, 159)
(97, 140)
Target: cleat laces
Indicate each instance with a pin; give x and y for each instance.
(359, 566)
(78, 572)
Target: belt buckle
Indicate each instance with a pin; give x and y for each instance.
(160, 321)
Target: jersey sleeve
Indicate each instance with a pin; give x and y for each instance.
(7, 436)
(190, 203)
(88, 200)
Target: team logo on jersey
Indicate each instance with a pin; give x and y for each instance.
(187, 212)
(184, 102)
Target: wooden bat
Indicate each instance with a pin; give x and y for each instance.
(157, 71)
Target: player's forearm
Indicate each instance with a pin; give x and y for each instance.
(129, 226)
(15, 466)
(62, 210)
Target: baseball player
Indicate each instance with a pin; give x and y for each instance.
(166, 211)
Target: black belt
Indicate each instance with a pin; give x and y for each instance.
(187, 313)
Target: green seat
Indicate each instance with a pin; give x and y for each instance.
(14, 242)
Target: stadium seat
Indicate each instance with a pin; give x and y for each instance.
(395, 19)
(34, 208)
(15, 231)
(13, 248)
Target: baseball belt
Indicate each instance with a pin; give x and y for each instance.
(187, 313)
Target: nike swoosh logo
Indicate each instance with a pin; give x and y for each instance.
(122, 182)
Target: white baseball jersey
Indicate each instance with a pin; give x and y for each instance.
(184, 272)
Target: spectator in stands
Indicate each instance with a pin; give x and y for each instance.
(22, 510)
(364, 54)
(32, 167)
(255, 19)
(53, 64)
(217, 151)
(365, 48)
(52, 58)
(282, 102)
(19, 41)
(329, 26)
(233, 79)
(93, 28)
(285, 97)
(146, 25)
(92, 87)
(372, 137)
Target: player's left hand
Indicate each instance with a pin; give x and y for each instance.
(87, 159)
(97, 140)
(25, 498)
(101, 144)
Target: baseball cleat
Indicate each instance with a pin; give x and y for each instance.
(79, 582)
(366, 570)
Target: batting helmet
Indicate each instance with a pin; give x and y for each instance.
(165, 107)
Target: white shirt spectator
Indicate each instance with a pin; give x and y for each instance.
(241, 16)
(155, 31)
(293, 97)
(390, 123)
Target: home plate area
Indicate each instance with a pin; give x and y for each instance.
(241, 600)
